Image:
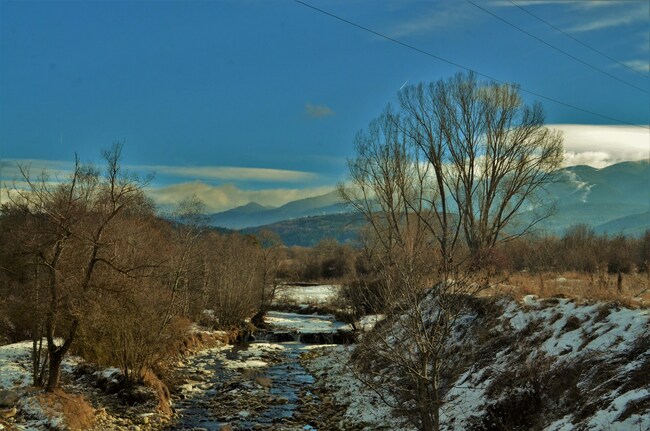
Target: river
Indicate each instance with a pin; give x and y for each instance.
(257, 385)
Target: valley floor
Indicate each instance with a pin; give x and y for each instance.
(582, 365)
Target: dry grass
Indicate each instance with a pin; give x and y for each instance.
(76, 412)
(150, 379)
(193, 342)
(634, 290)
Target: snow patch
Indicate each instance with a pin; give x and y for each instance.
(314, 295)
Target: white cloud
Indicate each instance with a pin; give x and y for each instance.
(603, 145)
(223, 197)
(602, 23)
(612, 17)
(585, 4)
(638, 65)
(9, 170)
(318, 111)
(591, 15)
(444, 15)
(229, 173)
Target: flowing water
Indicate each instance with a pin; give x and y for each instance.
(259, 384)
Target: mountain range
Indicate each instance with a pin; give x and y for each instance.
(613, 200)
(253, 214)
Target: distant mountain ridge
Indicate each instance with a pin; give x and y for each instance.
(253, 214)
(309, 231)
(613, 200)
(249, 208)
(599, 196)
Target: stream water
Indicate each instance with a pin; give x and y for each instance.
(256, 385)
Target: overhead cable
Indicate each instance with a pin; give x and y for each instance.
(460, 66)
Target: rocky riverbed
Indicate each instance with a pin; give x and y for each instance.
(259, 384)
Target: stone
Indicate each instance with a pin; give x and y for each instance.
(8, 398)
(9, 413)
(138, 395)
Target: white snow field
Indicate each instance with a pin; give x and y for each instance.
(15, 374)
(308, 295)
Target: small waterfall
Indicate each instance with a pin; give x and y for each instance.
(270, 336)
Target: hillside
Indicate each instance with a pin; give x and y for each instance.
(552, 364)
(253, 214)
(633, 225)
(599, 196)
(308, 231)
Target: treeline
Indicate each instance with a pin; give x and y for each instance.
(579, 249)
(326, 261)
(87, 266)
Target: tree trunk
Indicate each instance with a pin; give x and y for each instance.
(56, 358)
(56, 355)
(424, 405)
(425, 419)
(436, 416)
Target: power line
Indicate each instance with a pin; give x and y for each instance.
(437, 57)
(556, 48)
(577, 40)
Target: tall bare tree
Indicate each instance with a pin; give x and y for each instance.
(441, 180)
(190, 222)
(271, 252)
(488, 156)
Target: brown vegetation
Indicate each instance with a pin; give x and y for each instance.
(88, 261)
(440, 181)
(326, 262)
(76, 412)
(634, 293)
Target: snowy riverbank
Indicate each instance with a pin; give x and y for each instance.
(560, 364)
(594, 358)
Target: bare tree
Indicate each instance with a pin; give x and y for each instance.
(189, 224)
(270, 255)
(235, 279)
(77, 216)
(489, 153)
(441, 181)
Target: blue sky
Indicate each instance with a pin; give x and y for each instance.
(253, 100)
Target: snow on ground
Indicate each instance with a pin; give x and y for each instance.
(572, 334)
(313, 295)
(15, 362)
(332, 372)
(15, 374)
(604, 341)
(253, 356)
(607, 419)
(368, 322)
